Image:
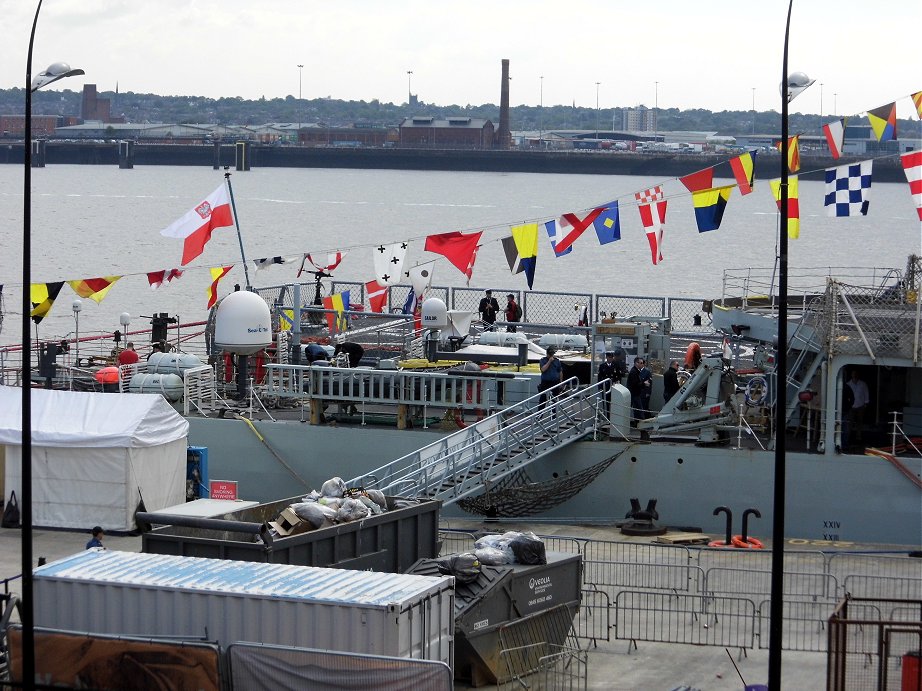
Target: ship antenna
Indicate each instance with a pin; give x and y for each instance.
(243, 257)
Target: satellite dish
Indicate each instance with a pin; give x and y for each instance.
(243, 323)
(434, 314)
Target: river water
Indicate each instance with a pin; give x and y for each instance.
(90, 221)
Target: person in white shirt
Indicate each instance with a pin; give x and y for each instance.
(861, 400)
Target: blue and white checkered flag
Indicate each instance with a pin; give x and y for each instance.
(847, 189)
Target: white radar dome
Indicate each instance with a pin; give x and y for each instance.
(243, 323)
(435, 314)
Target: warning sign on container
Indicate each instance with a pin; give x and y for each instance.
(224, 489)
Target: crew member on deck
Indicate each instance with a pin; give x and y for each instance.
(670, 380)
(128, 356)
(608, 371)
(513, 312)
(353, 350)
(488, 309)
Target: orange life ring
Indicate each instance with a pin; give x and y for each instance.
(107, 375)
(720, 543)
(748, 543)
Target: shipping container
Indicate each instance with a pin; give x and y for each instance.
(128, 593)
(392, 541)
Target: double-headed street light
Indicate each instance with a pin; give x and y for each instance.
(54, 72)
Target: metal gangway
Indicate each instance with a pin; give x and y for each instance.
(470, 460)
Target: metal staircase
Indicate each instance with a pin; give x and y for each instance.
(470, 460)
(806, 353)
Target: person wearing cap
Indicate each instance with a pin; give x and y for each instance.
(551, 373)
(96, 540)
(488, 309)
(640, 384)
(513, 312)
(608, 371)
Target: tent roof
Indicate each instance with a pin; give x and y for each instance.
(86, 419)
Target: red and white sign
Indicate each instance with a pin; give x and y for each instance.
(223, 489)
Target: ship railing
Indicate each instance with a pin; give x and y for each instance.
(199, 390)
(472, 459)
(864, 321)
(385, 387)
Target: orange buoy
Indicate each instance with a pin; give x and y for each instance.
(107, 375)
(748, 543)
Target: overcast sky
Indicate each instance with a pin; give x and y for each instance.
(708, 54)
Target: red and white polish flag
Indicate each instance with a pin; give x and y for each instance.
(195, 227)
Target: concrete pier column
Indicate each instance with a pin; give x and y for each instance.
(243, 151)
(125, 155)
(38, 153)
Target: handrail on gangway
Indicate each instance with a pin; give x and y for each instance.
(474, 391)
(468, 461)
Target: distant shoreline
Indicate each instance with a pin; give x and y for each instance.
(576, 162)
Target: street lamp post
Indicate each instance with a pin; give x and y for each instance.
(54, 72)
(791, 86)
(76, 306)
(597, 109)
(655, 111)
(300, 72)
(409, 87)
(753, 110)
(821, 99)
(540, 110)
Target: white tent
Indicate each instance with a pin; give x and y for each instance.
(95, 456)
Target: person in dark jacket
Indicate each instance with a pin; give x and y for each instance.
(640, 384)
(608, 370)
(353, 350)
(488, 309)
(96, 540)
(670, 381)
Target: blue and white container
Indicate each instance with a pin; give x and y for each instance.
(231, 601)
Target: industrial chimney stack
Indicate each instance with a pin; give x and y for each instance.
(503, 137)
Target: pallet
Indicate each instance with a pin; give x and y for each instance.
(684, 538)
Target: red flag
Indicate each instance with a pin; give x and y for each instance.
(217, 273)
(332, 261)
(701, 180)
(470, 266)
(157, 278)
(196, 225)
(458, 248)
(377, 296)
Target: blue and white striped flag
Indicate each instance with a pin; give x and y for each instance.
(847, 189)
